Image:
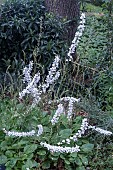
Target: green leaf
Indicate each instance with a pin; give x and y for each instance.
(83, 158)
(78, 161)
(30, 148)
(67, 162)
(72, 159)
(11, 163)
(3, 145)
(19, 106)
(56, 154)
(3, 159)
(23, 142)
(80, 168)
(29, 164)
(47, 129)
(9, 153)
(68, 167)
(42, 152)
(87, 147)
(64, 134)
(62, 156)
(46, 165)
(73, 155)
(53, 158)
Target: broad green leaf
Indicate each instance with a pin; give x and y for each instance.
(3, 159)
(78, 161)
(87, 147)
(9, 153)
(65, 133)
(29, 164)
(83, 158)
(68, 167)
(67, 162)
(19, 106)
(73, 155)
(12, 162)
(3, 145)
(80, 168)
(42, 152)
(62, 156)
(30, 148)
(47, 129)
(46, 165)
(56, 154)
(23, 142)
(53, 158)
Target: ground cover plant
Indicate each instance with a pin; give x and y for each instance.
(37, 132)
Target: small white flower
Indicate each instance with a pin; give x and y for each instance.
(59, 143)
(40, 131)
(63, 141)
(68, 141)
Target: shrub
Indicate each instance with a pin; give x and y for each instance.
(26, 28)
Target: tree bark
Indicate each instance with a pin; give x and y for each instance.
(68, 9)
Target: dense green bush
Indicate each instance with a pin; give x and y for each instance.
(26, 28)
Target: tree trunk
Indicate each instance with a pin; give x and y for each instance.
(68, 9)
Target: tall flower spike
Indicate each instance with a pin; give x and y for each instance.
(57, 114)
(77, 37)
(19, 134)
(32, 83)
(27, 72)
(102, 131)
(33, 90)
(24, 134)
(70, 109)
(53, 74)
(60, 149)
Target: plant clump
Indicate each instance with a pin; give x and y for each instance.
(57, 132)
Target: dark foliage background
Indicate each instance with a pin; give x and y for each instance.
(27, 32)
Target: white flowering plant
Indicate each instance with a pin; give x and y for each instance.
(28, 136)
(38, 138)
